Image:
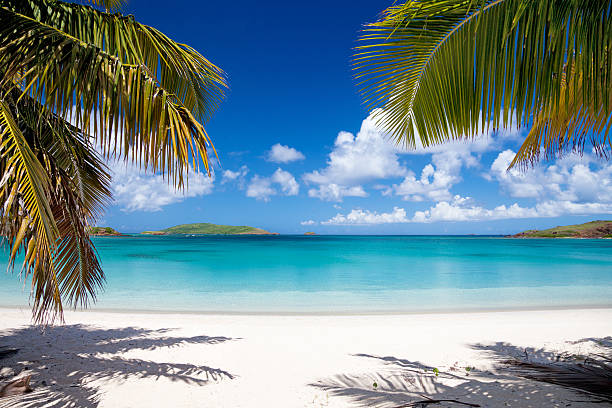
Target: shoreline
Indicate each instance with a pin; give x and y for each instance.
(356, 313)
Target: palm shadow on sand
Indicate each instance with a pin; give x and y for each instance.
(66, 361)
(401, 382)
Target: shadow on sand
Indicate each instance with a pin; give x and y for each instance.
(66, 362)
(401, 382)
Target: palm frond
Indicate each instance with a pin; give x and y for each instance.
(567, 130)
(79, 187)
(73, 153)
(72, 76)
(28, 219)
(446, 69)
(127, 110)
(182, 71)
(81, 191)
(109, 5)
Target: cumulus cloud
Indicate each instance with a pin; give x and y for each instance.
(237, 176)
(308, 222)
(371, 155)
(434, 184)
(558, 208)
(133, 190)
(460, 209)
(464, 209)
(572, 179)
(447, 160)
(262, 188)
(335, 192)
(229, 175)
(355, 159)
(286, 182)
(364, 217)
(283, 154)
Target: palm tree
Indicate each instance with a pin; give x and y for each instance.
(437, 70)
(79, 86)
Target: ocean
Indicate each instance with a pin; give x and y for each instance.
(343, 274)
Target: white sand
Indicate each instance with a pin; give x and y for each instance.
(170, 360)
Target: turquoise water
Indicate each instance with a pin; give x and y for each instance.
(344, 273)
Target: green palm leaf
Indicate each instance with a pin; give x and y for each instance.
(446, 69)
(78, 188)
(181, 70)
(109, 5)
(73, 78)
(81, 191)
(25, 191)
(569, 129)
(125, 107)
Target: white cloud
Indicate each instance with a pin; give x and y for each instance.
(433, 184)
(463, 209)
(262, 188)
(334, 192)
(284, 154)
(571, 179)
(557, 208)
(134, 190)
(364, 217)
(308, 222)
(286, 181)
(371, 155)
(460, 210)
(238, 175)
(447, 160)
(354, 160)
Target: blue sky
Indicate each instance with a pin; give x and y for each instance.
(299, 154)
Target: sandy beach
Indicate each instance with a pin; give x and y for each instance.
(103, 359)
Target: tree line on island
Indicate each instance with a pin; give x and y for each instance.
(593, 229)
(200, 228)
(211, 229)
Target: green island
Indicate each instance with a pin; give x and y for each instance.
(103, 231)
(593, 229)
(206, 228)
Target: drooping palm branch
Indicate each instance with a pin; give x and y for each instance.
(74, 79)
(572, 127)
(448, 69)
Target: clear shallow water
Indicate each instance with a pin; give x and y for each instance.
(344, 273)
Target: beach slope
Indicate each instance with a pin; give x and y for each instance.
(187, 360)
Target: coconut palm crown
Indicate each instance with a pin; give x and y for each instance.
(439, 70)
(80, 85)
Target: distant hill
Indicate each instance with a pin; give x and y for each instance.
(210, 229)
(103, 231)
(593, 229)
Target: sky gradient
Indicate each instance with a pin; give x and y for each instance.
(298, 153)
